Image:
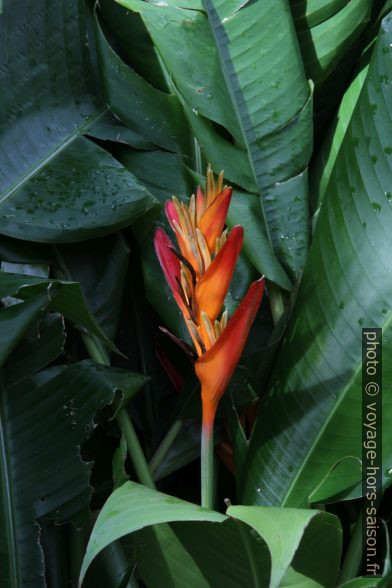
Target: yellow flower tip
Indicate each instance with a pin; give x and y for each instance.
(196, 338)
(219, 183)
(192, 211)
(203, 247)
(223, 321)
(208, 330)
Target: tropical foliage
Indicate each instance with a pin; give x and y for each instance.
(107, 110)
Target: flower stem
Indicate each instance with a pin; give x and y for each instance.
(207, 466)
(96, 351)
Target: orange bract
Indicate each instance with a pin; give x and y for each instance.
(199, 278)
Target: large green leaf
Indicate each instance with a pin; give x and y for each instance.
(325, 160)
(100, 267)
(65, 297)
(310, 423)
(15, 321)
(308, 13)
(222, 58)
(28, 357)
(55, 184)
(136, 49)
(327, 29)
(132, 507)
(155, 115)
(42, 424)
(249, 547)
(26, 252)
(289, 534)
(323, 166)
(331, 40)
(365, 583)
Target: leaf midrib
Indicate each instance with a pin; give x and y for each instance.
(207, 4)
(327, 421)
(8, 506)
(236, 109)
(51, 154)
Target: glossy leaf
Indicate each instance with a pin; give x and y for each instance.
(263, 143)
(311, 418)
(288, 534)
(16, 251)
(55, 184)
(321, 172)
(136, 49)
(308, 13)
(42, 473)
(65, 297)
(111, 569)
(365, 583)
(215, 544)
(129, 498)
(330, 30)
(28, 358)
(15, 320)
(109, 128)
(293, 579)
(245, 210)
(326, 157)
(100, 267)
(155, 115)
(204, 554)
(331, 34)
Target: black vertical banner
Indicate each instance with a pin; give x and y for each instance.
(372, 527)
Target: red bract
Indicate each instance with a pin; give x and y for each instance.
(215, 367)
(199, 277)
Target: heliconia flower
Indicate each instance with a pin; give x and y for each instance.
(199, 277)
(215, 367)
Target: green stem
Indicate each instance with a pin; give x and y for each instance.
(276, 301)
(95, 349)
(165, 445)
(134, 449)
(99, 354)
(207, 467)
(353, 558)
